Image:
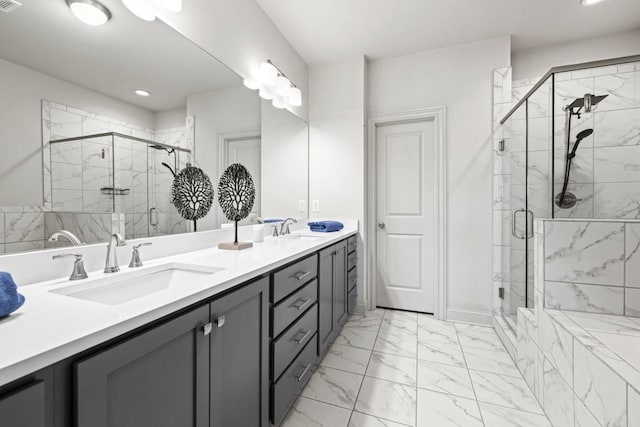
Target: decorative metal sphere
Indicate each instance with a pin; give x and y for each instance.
(236, 192)
(192, 193)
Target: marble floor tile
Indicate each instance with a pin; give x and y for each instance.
(449, 354)
(388, 400)
(354, 336)
(498, 362)
(469, 327)
(499, 416)
(393, 368)
(445, 379)
(437, 332)
(446, 410)
(333, 386)
(396, 340)
(311, 413)
(401, 319)
(346, 358)
(364, 420)
(367, 322)
(505, 391)
(482, 340)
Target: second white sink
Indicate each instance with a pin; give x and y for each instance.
(126, 286)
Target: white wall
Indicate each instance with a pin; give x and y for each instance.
(241, 36)
(337, 144)
(170, 118)
(535, 62)
(21, 92)
(285, 163)
(224, 111)
(459, 78)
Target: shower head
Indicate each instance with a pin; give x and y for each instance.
(162, 148)
(582, 135)
(588, 102)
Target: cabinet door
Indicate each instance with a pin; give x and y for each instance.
(24, 407)
(159, 378)
(325, 300)
(339, 285)
(240, 357)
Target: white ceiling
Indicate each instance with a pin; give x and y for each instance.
(114, 59)
(329, 30)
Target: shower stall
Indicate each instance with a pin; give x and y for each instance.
(569, 147)
(95, 176)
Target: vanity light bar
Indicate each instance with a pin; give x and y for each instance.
(146, 9)
(273, 85)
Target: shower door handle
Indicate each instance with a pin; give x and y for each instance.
(530, 219)
(153, 217)
(514, 218)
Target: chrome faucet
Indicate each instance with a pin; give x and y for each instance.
(111, 264)
(72, 238)
(78, 272)
(284, 227)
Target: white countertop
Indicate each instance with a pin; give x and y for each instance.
(49, 327)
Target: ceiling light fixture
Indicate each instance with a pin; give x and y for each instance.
(273, 85)
(142, 92)
(90, 12)
(146, 9)
(590, 2)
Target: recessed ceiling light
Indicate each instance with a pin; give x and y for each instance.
(141, 9)
(142, 92)
(590, 2)
(90, 12)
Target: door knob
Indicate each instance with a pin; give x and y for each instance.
(381, 225)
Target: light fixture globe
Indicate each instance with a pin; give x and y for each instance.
(91, 12)
(590, 2)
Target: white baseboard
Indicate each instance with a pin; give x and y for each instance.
(469, 316)
(360, 309)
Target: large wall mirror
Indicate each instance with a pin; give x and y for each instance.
(95, 122)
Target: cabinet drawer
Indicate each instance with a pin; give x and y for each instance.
(285, 391)
(352, 260)
(352, 299)
(289, 309)
(352, 243)
(25, 407)
(291, 278)
(352, 278)
(287, 347)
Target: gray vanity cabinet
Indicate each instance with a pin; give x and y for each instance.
(332, 294)
(240, 357)
(29, 402)
(158, 378)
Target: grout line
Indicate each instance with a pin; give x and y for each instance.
(473, 388)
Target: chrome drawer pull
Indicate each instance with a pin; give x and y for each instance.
(304, 304)
(304, 337)
(306, 369)
(301, 275)
(206, 329)
(220, 321)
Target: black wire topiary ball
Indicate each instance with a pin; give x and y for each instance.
(192, 194)
(236, 193)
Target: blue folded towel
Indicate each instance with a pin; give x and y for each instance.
(10, 299)
(270, 220)
(325, 226)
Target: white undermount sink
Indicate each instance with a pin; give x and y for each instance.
(300, 236)
(123, 286)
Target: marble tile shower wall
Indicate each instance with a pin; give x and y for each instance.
(21, 228)
(592, 266)
(79, 169)
(577, 380)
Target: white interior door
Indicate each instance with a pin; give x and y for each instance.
(246, 151)
(407, 215)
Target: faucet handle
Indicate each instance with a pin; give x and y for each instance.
(135, 255)
(275, 230)
(78, 272)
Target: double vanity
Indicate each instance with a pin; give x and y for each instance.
(205, 338)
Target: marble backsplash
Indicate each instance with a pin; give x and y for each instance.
(592, 266)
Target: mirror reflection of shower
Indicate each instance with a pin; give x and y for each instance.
(566, 199)
(174, 170)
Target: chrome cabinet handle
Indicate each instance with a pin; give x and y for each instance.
(303, 305)
(381, 225)
(206, 329)
(299, 276)
(306, 369)
(220, 321)
(304, 337)
(153, 217)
